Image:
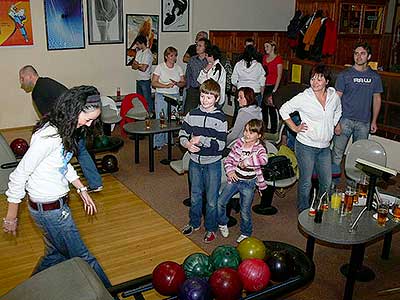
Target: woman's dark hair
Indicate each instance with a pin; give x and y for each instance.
(249, 54)
(141, 39)
(65, 113)
(248, 93)
(323, 70)
(213, 51)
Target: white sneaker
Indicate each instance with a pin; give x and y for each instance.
(223, 229)
(241, 238)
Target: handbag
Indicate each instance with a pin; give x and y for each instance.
(278, 167)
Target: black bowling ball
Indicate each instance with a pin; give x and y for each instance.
(109, 163)
(281, 265)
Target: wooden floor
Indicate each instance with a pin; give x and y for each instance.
(127, 236)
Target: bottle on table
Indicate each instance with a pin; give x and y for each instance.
(162, 119)
(118, 94)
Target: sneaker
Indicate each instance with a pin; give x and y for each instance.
(159, 148)
(189, 229)
(209, 237)
(241, 238)
(223, 229)
(95, 190)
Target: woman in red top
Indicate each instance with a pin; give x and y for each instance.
(273, 65)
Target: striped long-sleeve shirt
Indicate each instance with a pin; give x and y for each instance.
(255, 160)
(212, 128)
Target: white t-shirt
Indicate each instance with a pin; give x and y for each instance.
(166, 74)
(144, 57)
(43, 171)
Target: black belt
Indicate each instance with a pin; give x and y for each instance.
(49, 205)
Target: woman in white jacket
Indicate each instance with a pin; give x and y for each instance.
(249, 72)
(320, 110)
(214, 70)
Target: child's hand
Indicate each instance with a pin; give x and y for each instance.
(192, 147)
(242, 164)
(232, 176)
(195, 140)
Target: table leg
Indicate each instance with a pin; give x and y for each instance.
(387, 242)
(310, 247)
(151, 152)
(169, 157)
(136, 148)
(356, 260)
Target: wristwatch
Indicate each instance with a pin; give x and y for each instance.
(81, 189)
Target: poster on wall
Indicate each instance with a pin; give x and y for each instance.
(64, 24)
(146, 25)
(175, 15)
(15, 23)
(105, 21)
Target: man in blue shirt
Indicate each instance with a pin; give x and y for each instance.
(359, 88)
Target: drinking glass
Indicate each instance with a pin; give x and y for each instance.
(396, 210)
(362, 187)
(383, 210)
(348, 199)
(336, 199)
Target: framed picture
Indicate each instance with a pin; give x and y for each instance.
(64, 24)
(15, 23)
(175, 15)
(105, 22)
(146, 25)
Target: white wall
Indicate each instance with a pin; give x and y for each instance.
(103, 65)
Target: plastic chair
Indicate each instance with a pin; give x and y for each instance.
(181, 166)
(275, 138)
(365, 149)
(138, 111)
(109, 111)
(265, 207)
(8, 162)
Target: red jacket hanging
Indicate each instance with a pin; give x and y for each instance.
(329, 46)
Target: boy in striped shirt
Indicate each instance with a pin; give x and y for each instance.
(203, 133)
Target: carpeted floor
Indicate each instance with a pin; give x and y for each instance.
(164, 190)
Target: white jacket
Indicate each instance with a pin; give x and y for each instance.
(219, 77)
(43, 171)
(253, 76)
(320, 122)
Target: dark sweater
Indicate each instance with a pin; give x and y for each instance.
(45, 94)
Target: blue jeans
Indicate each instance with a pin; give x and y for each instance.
(246, 189)
(309, 159)
(204, 179)
(359, 130)
(88, 166)
(161, 139)
(143, 87)
(62, 240)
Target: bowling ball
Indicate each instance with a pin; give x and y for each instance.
(19, 146)
(101, 141)
(225, 256)
(168, 276)
(251, 248)
(198, 265)
(225, 284)
(194, 289)
(254, 274)
(109, 163)
(281, 265)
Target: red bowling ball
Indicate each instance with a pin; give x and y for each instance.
(254, 273)
(19, 146)
(225, 284)
(168, 276)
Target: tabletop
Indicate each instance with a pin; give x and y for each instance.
(139, 127)
(335, 228)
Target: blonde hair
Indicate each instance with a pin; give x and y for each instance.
(210, 86)
(273, 44)
(168, 51)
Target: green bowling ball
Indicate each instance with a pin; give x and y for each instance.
(251, 248)
(101, 141)
(225, 256)
(198, 265)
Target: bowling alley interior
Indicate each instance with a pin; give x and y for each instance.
(334, 249)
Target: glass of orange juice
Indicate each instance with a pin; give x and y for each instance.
(336, 199)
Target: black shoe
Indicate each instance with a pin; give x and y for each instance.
(95, 190)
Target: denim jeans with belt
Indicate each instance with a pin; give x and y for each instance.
(359, 130)
(204, 179)
(246, 190)
(62, 240)
(309, 159)
(143, 87)
(88, 166)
